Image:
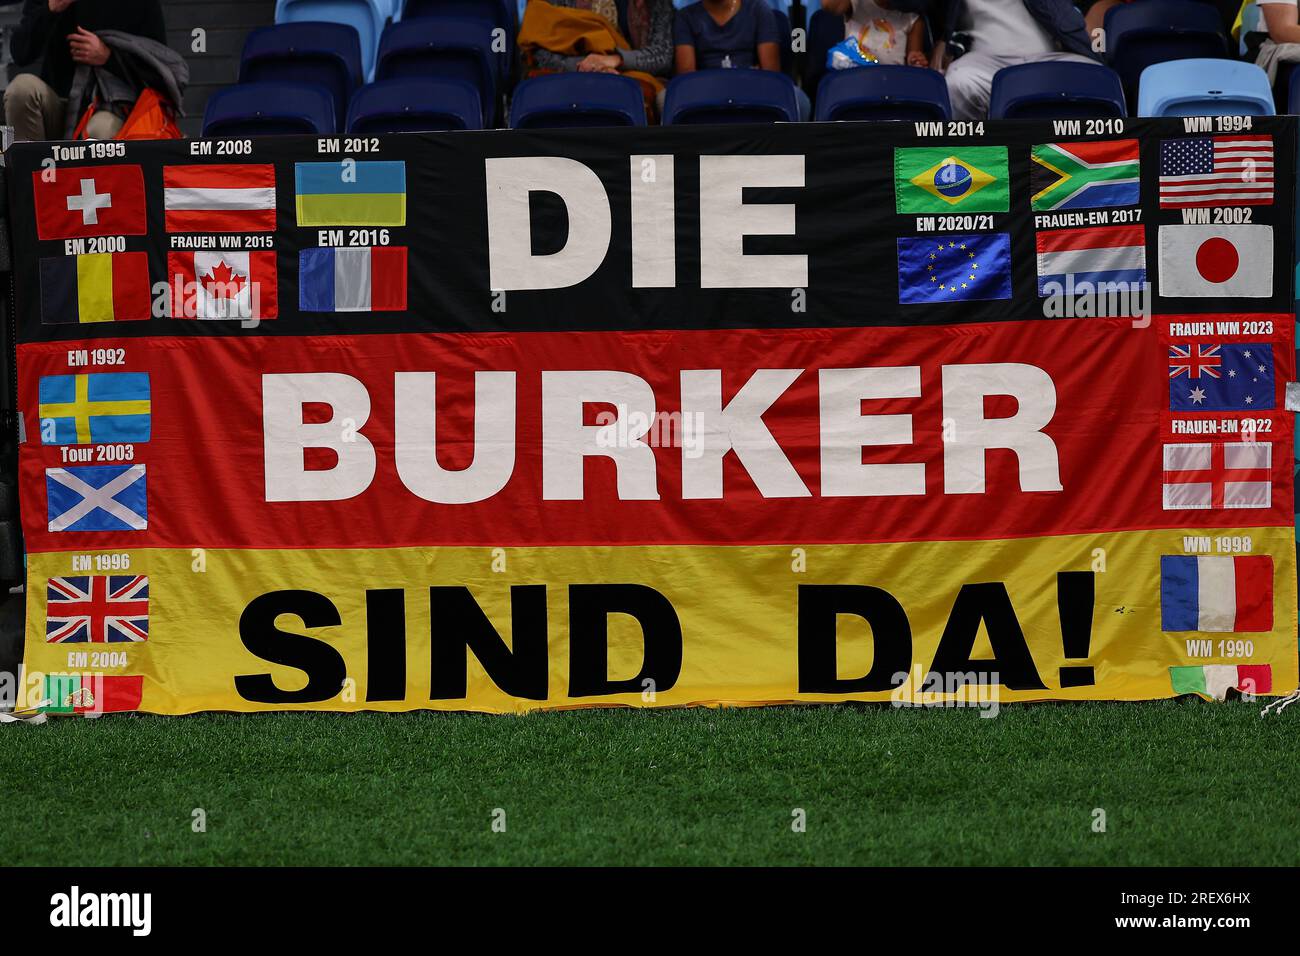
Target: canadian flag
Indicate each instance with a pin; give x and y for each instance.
(222, 285)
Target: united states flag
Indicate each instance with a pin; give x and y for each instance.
(97, 609)
(1216, 171)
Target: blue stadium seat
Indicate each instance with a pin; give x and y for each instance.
(1293, 97)
(1205, 88)
(825, 29)
(269, 109)
(562, 100)
(328, 54)
(500, 13)
(414, 105)
(1250, 20)
(883, 93)
(456, 47)
(730, 96)
(1062, 90)
(1156, 31)
(366, 16)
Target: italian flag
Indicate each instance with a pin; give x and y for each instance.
(1215, 680)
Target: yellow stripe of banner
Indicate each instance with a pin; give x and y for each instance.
(95, 287)
(355, 209)
(738, 608)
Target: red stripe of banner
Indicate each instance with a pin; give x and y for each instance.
(1254, 577)
(1098, 237)
(206, 460)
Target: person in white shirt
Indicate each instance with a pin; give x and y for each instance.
(1278, 19)
(1005, 33)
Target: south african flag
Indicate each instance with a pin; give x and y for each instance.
(1084, 175)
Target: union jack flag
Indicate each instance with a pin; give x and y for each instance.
(1192, 360)
(97, 609)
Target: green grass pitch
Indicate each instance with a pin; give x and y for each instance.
(1180, 782)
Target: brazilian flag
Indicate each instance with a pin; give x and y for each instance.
(939, 179)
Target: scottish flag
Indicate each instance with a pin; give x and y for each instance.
(97, 498)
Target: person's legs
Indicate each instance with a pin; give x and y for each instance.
(33, 109)
(103, 125)
(970, 78)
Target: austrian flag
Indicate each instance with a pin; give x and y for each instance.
(222, 285)
(235, 197)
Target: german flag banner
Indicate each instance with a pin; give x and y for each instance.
(945, 414)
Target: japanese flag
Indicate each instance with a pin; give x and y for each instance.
(222, 285)
(1216, 261)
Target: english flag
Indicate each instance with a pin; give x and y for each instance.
(89, 201)
(1214, 475)
(1216, 261)
(225, 198)
(222, 285)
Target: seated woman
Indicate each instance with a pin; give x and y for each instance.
(601, 36)
(730, 34)
(1278, 37)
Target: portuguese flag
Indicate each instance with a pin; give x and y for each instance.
(92, 694)
(1215, 680)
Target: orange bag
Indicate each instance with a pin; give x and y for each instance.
(152, 117)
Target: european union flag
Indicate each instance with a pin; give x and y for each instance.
(1221, 378)
(954, 268)
(94, 407)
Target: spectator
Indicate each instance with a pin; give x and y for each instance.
(65, 36)
(882, 31)
(997, 33)
(647, 26)
(730, 34)
(1094, 13)
(1279, 39)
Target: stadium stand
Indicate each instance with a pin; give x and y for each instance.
(414, 105)
(561, 100)
(499, 13)
(457, 47)
(1156, 31)
(268, 109)
(883, 93)
(1205, 88)
(730, 96)
(825, 29)
(367, 17)
(327, 54)
(1056, 90)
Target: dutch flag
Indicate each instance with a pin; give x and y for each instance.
(1216, 593)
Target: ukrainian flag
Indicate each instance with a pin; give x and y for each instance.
(349, 193)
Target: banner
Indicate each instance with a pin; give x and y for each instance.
(947, 413)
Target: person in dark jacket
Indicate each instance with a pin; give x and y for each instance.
(998, 33)
(61, 35)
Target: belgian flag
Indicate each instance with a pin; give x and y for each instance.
(101, 287)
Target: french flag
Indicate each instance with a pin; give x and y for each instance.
(366, 279)
(1216, 593)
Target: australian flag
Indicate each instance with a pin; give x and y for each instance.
(954, 268)
(1221, 378)
(97, 609)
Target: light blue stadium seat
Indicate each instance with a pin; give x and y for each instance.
(367, 17)
(883, 92)
(565, 100)
(730, 96)
(269, 109)
(415, 105)
(1205, 88)
(1056, 90)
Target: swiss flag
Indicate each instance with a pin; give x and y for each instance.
(222, 285)
(74, 201)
